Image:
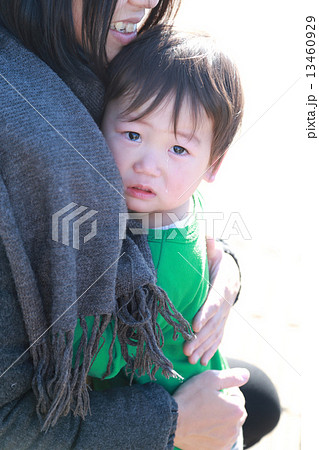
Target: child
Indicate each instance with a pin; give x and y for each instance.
(174, 104)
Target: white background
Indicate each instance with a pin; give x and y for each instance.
(270, 177)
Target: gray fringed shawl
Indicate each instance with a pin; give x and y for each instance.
(53, 154)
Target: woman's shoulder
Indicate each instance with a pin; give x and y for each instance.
(25, 78)
(38, 109)
(20, 63)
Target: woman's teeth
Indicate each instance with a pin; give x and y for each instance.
(124, 27)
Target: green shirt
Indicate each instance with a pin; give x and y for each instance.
(179, 255)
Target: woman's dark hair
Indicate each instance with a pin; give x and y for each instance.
(46, 28)
(165, 63)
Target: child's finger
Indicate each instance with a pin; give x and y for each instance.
(207, 341)
(207, 356)
(207, 311)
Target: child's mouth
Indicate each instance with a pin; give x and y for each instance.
(140, 191)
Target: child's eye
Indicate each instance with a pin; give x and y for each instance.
(132, 136)
(178, 150)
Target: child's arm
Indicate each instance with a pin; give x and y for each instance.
(210, 320)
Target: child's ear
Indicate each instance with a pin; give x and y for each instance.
(209, 175)
(212, 171)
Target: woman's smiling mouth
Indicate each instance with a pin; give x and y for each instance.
(124, 27)
(124, 31)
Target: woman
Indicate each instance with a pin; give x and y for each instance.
(54, 159)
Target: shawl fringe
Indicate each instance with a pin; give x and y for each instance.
(60, 388)
(138, 327)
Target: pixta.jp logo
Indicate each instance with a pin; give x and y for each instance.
(69, 231)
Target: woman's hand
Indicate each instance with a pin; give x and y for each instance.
(208, 418)
(210, 320)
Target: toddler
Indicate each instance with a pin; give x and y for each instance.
(174, 105)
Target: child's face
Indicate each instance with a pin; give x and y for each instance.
(160, 170)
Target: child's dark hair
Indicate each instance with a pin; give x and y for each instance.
(163, 63)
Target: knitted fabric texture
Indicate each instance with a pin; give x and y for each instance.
(54, 162)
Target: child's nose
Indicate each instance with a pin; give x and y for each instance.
(148, 165)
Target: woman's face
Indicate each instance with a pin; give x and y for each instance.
(127, 15)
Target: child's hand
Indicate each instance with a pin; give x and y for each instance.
(210, 320)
